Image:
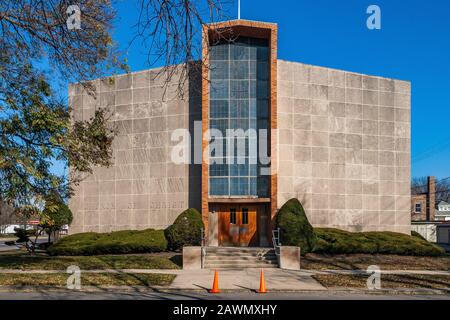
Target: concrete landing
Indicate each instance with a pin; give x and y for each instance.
(246, 279)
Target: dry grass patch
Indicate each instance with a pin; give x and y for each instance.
(362, 261)
(388, 281)
(97, 279)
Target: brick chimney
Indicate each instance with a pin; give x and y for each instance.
(431, 198)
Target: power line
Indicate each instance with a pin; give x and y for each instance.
(433, 150)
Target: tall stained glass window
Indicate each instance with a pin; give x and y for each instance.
(239, 100)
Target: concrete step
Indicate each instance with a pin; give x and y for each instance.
(225, 258)
(237, 249)
(218, 258)
(241, 255)
(239, 265)
(240, 258)
(239, 252)
(249, 258)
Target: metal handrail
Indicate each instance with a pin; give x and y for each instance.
(203, 247)
(276, 241)
(202, 237)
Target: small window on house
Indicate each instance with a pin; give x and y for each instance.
(244, 216)
(232, 216)
(418, 208)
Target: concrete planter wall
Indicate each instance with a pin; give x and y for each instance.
(192, 258)
(289, 258)
(426, 230)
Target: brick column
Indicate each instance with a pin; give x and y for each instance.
(431, 198)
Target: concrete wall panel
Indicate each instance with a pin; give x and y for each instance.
(350, 147)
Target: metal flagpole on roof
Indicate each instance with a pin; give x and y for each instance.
(239, 9)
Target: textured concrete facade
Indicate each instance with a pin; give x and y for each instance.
(143, 188)
(344, 147)
(343, 150)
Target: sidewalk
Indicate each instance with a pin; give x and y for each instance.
(248, 279)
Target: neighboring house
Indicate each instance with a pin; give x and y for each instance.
(428, 217)
(9, 221)
(425, 207)
(443, 211)
(421, 210)
(338, 141)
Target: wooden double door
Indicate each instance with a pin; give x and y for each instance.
(238, 225)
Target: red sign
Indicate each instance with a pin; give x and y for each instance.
(33, 222)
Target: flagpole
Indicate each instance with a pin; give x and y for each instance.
(239, 9)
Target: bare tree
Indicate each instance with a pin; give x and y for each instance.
(171, 32)
(419, 185)
(443, 190)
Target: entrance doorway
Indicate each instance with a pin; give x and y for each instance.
(238, 225)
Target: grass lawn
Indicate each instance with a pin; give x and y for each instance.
(361, 261)
(24, 261)
(388, 281)
(99, 279)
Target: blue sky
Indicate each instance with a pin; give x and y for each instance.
(413, 44)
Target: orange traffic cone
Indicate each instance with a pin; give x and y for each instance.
(262, 283)
(215, 288)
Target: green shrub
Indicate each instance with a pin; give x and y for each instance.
(185, 231)
(295, 229)
(334, 241)
(119, 242)
(55, 215)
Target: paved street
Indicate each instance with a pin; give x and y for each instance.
(4, 247)
(190, 295)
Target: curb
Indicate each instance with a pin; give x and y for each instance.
(88, 289)
(385, 272)
(180, 271)
(129, 271)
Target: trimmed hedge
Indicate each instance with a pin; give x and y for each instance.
(185, 231)
(119, 242)
(295, 229)
(335, 241)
